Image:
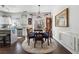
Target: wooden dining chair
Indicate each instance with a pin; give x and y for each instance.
(46, 36)
(38, 37)
(30, 35)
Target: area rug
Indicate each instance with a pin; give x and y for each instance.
(38, 49)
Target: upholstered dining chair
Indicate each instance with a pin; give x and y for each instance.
(46, 36)
(30, 35)
(38, 37)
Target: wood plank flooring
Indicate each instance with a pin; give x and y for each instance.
(17, 49)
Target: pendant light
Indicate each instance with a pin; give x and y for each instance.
(39, 16)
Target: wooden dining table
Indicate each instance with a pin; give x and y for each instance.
(38, 30)
(38, 35)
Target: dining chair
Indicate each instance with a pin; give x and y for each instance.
(38, 37)
(30, 35)
(46, 36)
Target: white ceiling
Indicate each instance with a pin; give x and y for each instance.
(28, 8)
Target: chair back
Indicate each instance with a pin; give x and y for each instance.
(38, 35)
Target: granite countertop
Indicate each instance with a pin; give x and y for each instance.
(5, 29)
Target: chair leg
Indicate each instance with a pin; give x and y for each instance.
(48, 41)
(4, 42)
(9, 40)
(29, 41)
(33, 39)
(35, 44)
(45, 39)
(1, 45)
(42, 43)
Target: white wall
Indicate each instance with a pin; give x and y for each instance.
(72, 29)
(73, 20)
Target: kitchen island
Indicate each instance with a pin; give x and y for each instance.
(8, 35)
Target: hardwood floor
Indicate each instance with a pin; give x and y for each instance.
(17, 49)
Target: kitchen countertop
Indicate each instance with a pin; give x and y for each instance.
(5, 29)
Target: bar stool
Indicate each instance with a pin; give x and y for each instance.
(2, 39)
(8, 39)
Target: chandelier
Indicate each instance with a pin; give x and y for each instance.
(39, 16)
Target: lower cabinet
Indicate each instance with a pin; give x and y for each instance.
(19, 32)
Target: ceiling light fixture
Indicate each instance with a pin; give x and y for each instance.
(39, 16)
(4, 7)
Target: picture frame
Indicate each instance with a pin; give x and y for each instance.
(61, 19)
(29, 21)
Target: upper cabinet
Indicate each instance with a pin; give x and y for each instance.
(5, 20)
